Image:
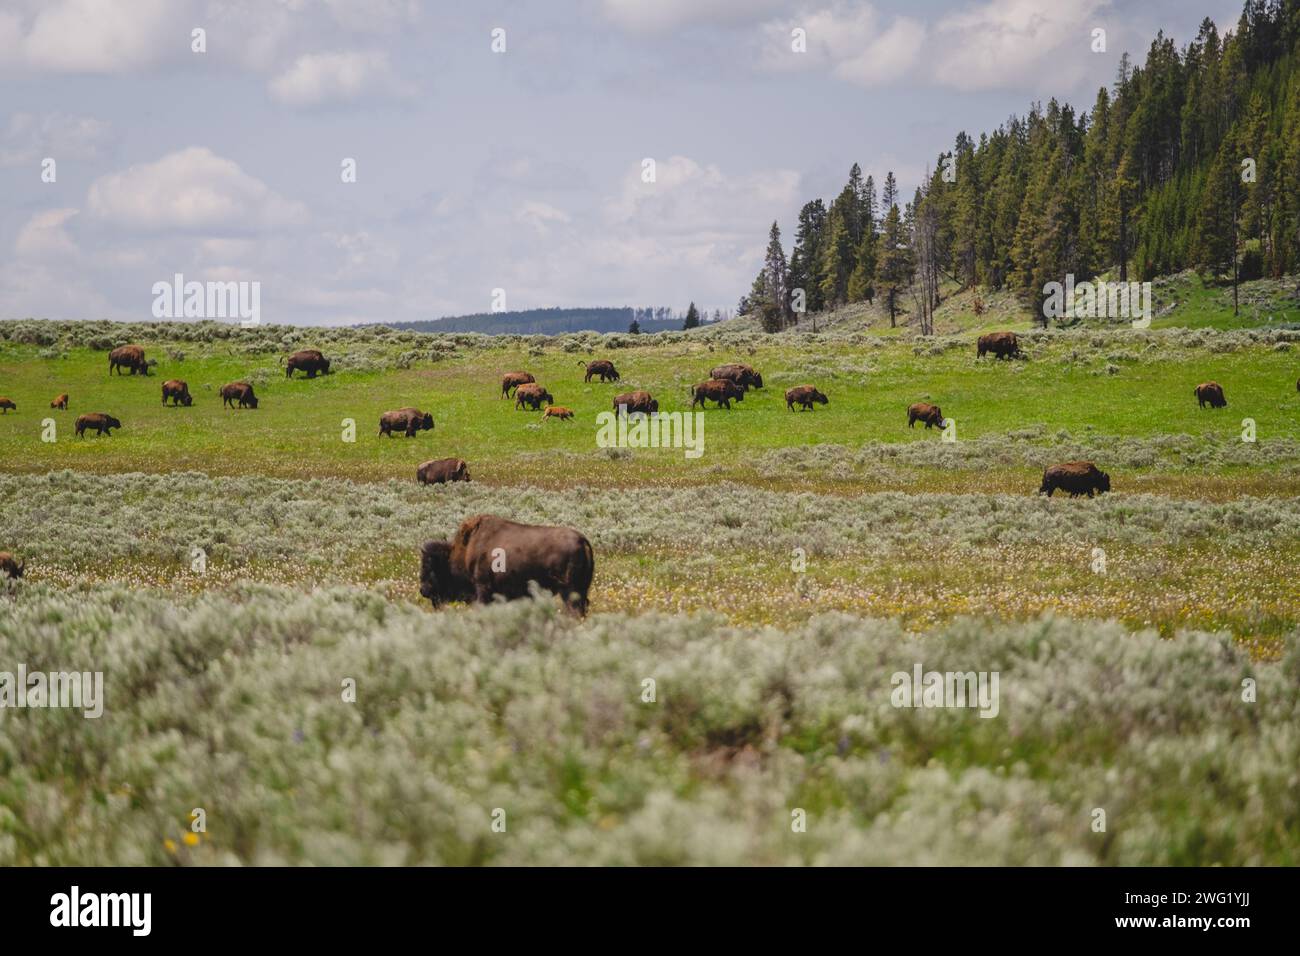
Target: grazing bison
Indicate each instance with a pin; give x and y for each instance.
(490, 556)
(6, 404)
(924, 412)
(407, 420)
(742, 375)
(98, 422)
(634, 403)
(1000, 344)
(240, 393)
(1210, 393)
(720, 390)
(1076, 477)
(512, 380)
(60, 402)
(439, 471)
(805, 396)
(310, 361)
(178, 392)
(10, 567)
(600, 367)
(129, 357)
(532, 395)
(557, 411)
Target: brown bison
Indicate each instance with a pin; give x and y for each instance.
(60, 402)
(557, 411)
(439, 471)
(1076, 477)
(129, 357)
(238, 393)
(635, 403)
(407, 420)
(178, 392)
(6, 404)
(742, 375)
(1210, 393)
(720, 390)
(532, 395)
(310, 361)
(600, 367)
(10, 567)
(1000, 344)
(804, 396)
(512, 380)
(924, 412)
(490, 556)
(98, 422)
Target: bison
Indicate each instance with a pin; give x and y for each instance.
(10, 567)
(407, 420)
(61, 402)
(489, 556)
(720, 390)
(238, 393)
(804, 396)
(6, 404)
(98, 422)
(1076, 477)
(442, 470)
(129, 357)
(178, 392)
(999, 344)
(1210, 393)
(532, 395)
(601, 367)
(310, 361)
(512, 380)
(557, 411)
(742, 375)
(924, 412)
(634, 403)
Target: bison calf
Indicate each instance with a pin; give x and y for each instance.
(178, 392)
(6, 404)
(492, 557)
(439, 471)
(98, 422)
(1076, 477)
(10, 567)
(61, 402)
(804, 396)
(1210, 393)
(557, 411)
(924, 412)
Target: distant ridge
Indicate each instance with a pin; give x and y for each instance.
(552, 321)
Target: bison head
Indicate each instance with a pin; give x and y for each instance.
(113, 422)
(437, 581)
(325, 366)
(187, 400)
(1103, 482)
(546, 397)
(427, 422)
(654, 406)
(251, 400)
(819, 398)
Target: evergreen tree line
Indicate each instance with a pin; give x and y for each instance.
(1190, 161)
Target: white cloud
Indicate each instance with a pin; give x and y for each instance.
(540, 215)
(317, 79)
(43, 236)
(28, 138)
(92, 36)
(192, 190)
(658, 16)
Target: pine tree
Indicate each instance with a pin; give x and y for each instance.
(894, 268)
(692, 318)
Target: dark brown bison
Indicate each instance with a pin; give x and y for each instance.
(1210, 393)
(238, 393)
(490, 556)
(924, 412)
(635, 403)
(178, 392)
(442, 470)
(60, 402)
(10, 567)
(310, 361)
(532, 395)
(129, 357)
(98, 422)
(742, 375)
(6, 404)
(557, 411)
(512, 380)
(1076, 477)
(721, 390)
(804, 396)
(1000, 344)
(600, 367)
(407, 420)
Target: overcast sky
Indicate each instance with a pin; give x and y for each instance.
(479, 170)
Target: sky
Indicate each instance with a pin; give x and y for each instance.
(512, 177)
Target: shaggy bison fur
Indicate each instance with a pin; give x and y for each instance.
(10, 567)
(721, 390)
(97, 422)
(1210, 393)
(442, 470)
(310, 361)
(804, 396)
(178, 392)
(924, 412)
(238, 393)
(61, 402)
(129, 357)
(605, 369)
(1076, 477)
(532, 395)
(999, 344)
(408, 421)
(512, 380)
(635, 403)
(742, 375)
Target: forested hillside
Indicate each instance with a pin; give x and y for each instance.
(1189, 161)
(556, 321)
